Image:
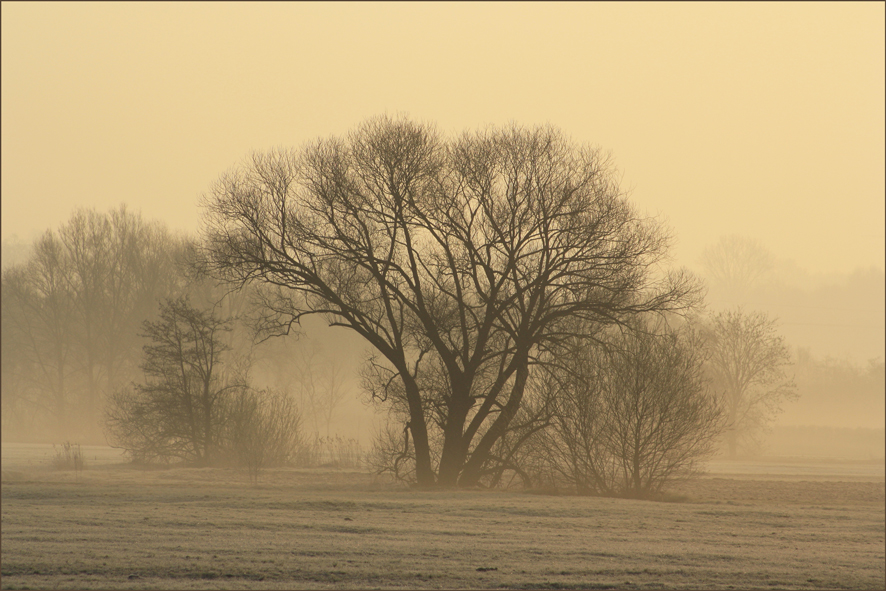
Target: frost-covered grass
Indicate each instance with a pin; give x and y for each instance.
(123, 528)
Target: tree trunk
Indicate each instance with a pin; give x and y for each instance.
(472, 470)
(424, 472)
(732, 430)
(635, 475)
(209, 439)
(452, 458)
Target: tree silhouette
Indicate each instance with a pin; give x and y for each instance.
(469, 256)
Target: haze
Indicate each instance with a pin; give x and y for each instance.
(760, 120)
(764, 120)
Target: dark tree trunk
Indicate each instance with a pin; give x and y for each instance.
(452, 457)
(424, 472)
(472, 471)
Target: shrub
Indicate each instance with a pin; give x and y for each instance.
(392, 454)
(331, 452)
(261, 429)
(634, 418)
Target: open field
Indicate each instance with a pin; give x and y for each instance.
(770, 525)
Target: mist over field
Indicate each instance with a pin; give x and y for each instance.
(834, 324)
(459, 296)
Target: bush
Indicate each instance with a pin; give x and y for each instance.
(392, 454)
(633, 419)
(261, 429)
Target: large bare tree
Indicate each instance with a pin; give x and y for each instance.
(469, 256)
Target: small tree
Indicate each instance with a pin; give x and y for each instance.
(178, 412)
(748, 361)
(634, 416)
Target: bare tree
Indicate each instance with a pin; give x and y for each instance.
(736, 264)
(39, 326)
(73, 310)
(320, 384)
(179, 411)
(748, 362)
(472, 255)
(635, 417)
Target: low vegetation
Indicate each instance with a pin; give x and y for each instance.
(331, 452)
(68, 456)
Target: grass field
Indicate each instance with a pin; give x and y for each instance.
(795, 525)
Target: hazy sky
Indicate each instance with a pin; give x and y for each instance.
(759, 119)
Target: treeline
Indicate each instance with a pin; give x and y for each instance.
(838, 392)
(80, 313)
(836, 315)
(71, 317)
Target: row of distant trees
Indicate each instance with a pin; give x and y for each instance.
(71, 314)
(840, 315)
(516, 306)
(78, 314)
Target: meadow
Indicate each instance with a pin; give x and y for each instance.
(765, 525)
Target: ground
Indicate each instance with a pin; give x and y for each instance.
(743, 525)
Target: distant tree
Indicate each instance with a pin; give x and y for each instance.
(119, 266)
(839, 391)
(14, 251)
(635, 416)
(736, 264)
(39, 345)
(15, 397)
(472, 255)
(319, 384)
(748, 361)
(72, 312)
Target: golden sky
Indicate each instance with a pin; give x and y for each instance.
(759, 119)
